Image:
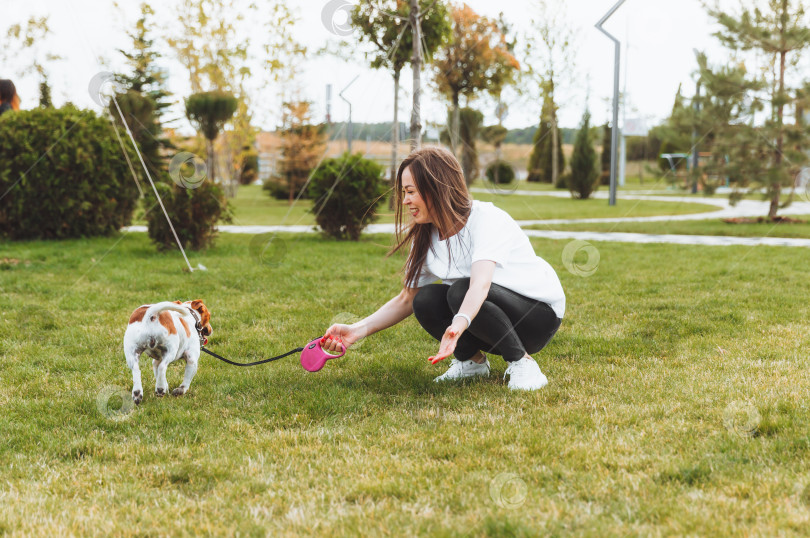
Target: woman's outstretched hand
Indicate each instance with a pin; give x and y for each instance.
(338, 335)
(449, 341)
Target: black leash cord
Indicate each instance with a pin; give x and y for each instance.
(296, 350)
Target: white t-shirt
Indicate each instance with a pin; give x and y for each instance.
(491, 234)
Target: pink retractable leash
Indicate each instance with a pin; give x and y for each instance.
(313, 356)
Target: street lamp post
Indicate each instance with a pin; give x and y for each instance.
(695, 154)
(615, 131)
(349, 134)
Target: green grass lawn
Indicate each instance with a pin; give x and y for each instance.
(677, 402)
(695, 227)
(253, 206)
(542, 207)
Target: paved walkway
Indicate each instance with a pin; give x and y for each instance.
(709, 240)
(745, 208)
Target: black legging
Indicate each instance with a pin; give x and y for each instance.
(508, 323)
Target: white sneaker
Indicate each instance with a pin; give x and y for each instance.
(525, 374)
(463, 369)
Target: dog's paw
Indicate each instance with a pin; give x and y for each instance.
(160, 392)
(179, 391)
(137, 396)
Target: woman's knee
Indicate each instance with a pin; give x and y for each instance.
(542, 336)
(457, 292)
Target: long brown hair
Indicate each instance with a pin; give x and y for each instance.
(440, 181)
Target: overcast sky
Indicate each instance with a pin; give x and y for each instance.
(662, 35)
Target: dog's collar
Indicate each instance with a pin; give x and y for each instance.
(198, 325)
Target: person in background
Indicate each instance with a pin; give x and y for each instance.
(9, 100)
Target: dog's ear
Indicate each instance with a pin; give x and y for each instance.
(196, 304)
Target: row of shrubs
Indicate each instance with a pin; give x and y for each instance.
(345, 190)
(63, 175)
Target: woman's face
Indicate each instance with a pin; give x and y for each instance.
(413, 201)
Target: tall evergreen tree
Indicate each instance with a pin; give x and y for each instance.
(45, 94)
(725, 126)
(145, 77)
(541, 160)
(144, 98)
(676, 132)
(777, 30)
(551, 58)
(302, 146)
(470, 122)
(584, 163)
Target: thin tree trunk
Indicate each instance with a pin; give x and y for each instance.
(555, 157)
(455, 127)
(555, 135)
(236, 181)
(777, 187)
(395, 141)
(416, 64)
(498, 145)
(232, 178)
(211, 162)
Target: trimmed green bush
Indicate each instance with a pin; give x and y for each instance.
(208, 112)
(250, 167)
(63, 175)
(281, 191)
(500, 172)
(346, 192)
(194, 214)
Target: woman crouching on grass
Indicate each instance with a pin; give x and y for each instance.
(496, 294)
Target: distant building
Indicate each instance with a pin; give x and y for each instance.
(268, 146)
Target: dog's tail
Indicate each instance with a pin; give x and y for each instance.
(153, 311)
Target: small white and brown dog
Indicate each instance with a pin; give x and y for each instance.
(166, 332)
